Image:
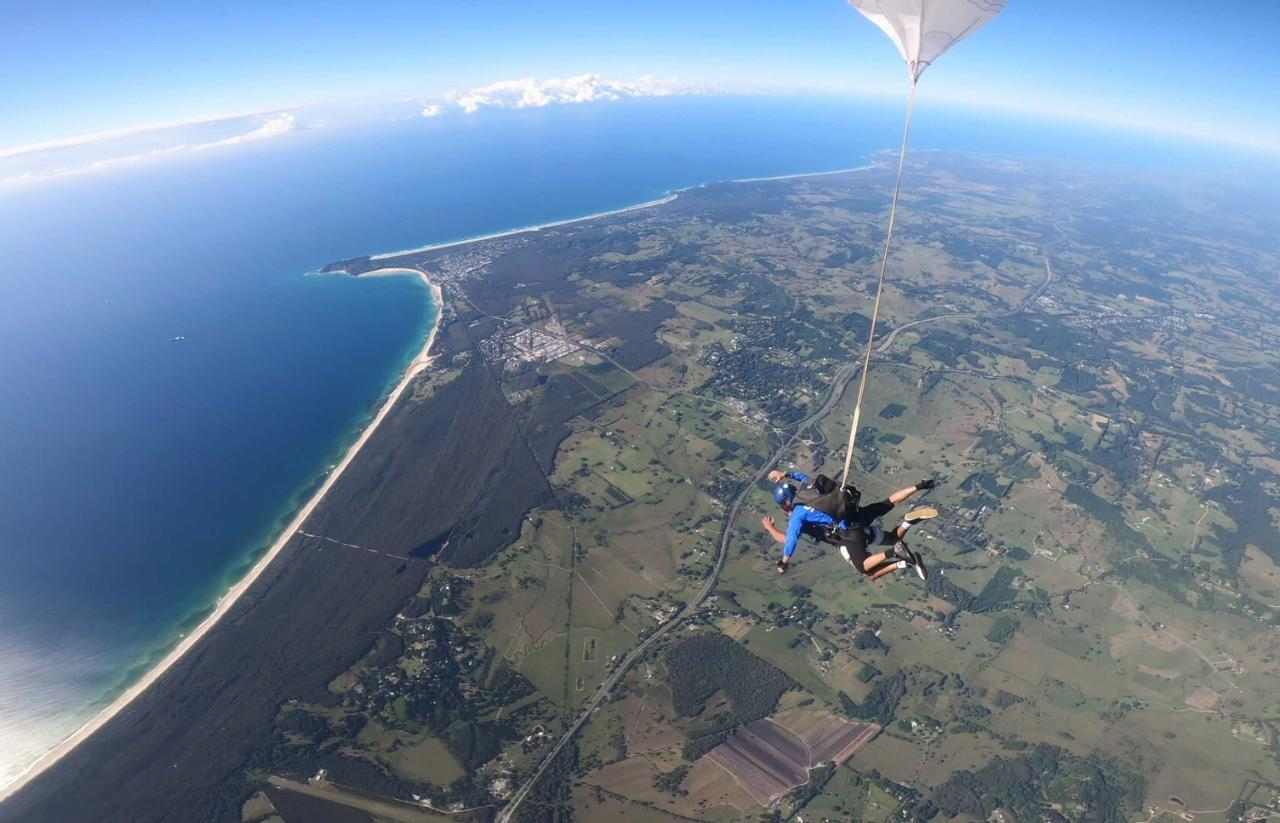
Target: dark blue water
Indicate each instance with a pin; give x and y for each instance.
(138, 476)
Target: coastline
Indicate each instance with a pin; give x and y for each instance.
(415, 366)
(849, 170)
(568, 221)
(224, 603)
(661, 201)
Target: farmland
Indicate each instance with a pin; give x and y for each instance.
(1098, 633)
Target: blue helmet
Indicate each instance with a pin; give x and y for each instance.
(784, 493)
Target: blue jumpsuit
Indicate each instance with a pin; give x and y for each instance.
(805, 520)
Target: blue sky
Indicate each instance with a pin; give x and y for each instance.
(85, 67)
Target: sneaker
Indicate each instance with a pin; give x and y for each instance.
(918, 562)
(918, 515)
(844, 552)
(901, 551)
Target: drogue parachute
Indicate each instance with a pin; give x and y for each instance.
(924, 29)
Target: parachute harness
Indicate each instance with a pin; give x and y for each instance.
(875, 311)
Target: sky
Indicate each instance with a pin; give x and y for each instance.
(76, 68)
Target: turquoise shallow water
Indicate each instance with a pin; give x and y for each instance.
(139, 476)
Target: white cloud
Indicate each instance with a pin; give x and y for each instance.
(280, 123)
(116, 134)
(432, 110)
(276, 126)
(529, 92)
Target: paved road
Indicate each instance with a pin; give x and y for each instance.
(1027, 301)
(842, 378)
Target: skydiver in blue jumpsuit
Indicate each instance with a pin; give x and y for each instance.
(852, 535)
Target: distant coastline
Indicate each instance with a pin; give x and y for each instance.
(648, 204)
(415, 366)
(526, 229)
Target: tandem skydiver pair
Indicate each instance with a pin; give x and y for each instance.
(830, 513)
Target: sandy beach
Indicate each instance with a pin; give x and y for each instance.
(539, 227)
(420, 361)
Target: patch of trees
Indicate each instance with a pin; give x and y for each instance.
(705, 664)
(1110, 516)
(975, 712)
(1004, 699)
(1035, 785)
(882, 702)
(352, 724)
(1056, 340)
(1076, 380)
(669, 782)
(998, 592)
(697, 746)
(551, 798)
(1174, 579)
(1247, 495)
(313, 726)
(1119, 452)
(985, 481)
(700, 666)
(940, 585)
(866, 640)
(818, 779)
(892, 410)
(474, 743)
(1002, 630)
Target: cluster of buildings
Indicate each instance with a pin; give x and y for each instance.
(967, 529)
(515, 347)
(470, 262)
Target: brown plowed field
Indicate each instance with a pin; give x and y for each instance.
(771, 757)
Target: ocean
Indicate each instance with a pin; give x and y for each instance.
(140, 475)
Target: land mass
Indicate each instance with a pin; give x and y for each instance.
(531, 595)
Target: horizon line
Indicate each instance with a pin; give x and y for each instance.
(964, 102)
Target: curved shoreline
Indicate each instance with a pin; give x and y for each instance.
(419, 362)
(224, 603)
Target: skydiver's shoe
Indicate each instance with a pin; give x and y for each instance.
(921, 514)
(901, 552)
(844, 552)
(918, 562)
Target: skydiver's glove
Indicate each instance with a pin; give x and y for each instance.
(926, 484)
(782, 566)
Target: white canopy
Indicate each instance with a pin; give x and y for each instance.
(923, 29)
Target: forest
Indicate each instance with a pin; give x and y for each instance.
(702, 666)
(1038, 785)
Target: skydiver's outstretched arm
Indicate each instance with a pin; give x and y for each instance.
(787, 539)
(778, 475)
(773, 530)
